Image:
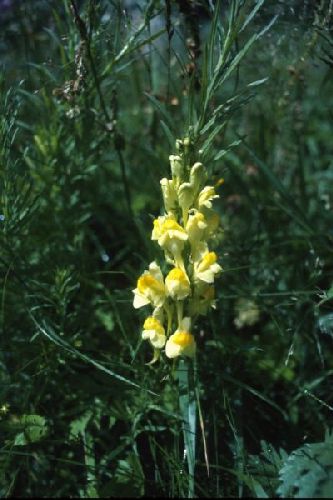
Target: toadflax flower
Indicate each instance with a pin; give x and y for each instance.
(150, 288)
(196, 226)
(182, 342)
(206, 196)
(177, 284)
(169, 194)
(154, 332)
(170, 235)
(206, 268)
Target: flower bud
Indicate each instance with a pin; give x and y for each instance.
(197, 175)
(169, 194)
(179, 145)
(186, 194)
(176, 165)
(186, 142)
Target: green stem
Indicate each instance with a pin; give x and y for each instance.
(169, 312)
(180, 308)
(188, 409)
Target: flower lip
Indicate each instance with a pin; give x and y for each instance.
(164, 226)
(177, 284)
(154, 332)
(170, 235)
(148, 281)
(209, 259)
(206, 196)
(206, 268)
(170, 224)
(150, 288)
(177, 274)
(181, 343)
(152, 323)
(184, 339)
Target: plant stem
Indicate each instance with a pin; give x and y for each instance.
(188, 409)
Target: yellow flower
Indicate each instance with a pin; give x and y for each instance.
(154, 332)
(197, 175)
(206, 196)
(169, 234)
(169, 194)
(150, 288)
(182, 342)
(195, 227)
(206, 268)
(212, 220)
(188, 191)
(186, 195)
(177, 284)
(176, 165)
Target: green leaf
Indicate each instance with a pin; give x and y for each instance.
(251, 15)
(223, 152)
(160, 108)
(34, 429)
(257, 82)
(259, 490)
(325, 324)
(243, 52)
(308, 471)
(329, 292)
(128, 478)
(78, 426)
(170, 136)
(51, 335)
(263, 470)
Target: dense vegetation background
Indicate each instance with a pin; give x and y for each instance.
(93, 95)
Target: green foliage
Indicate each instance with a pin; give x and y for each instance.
(33, 429)
(308, 471)
(304, 473)
(128, 477)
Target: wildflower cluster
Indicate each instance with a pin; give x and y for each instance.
(183, 232)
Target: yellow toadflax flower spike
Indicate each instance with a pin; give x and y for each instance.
(183, 233)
